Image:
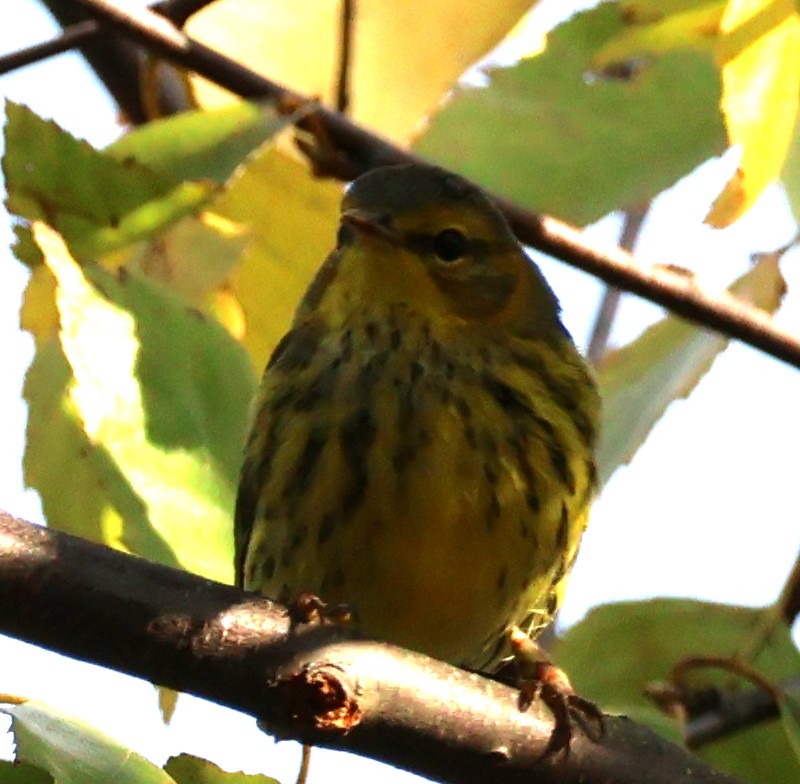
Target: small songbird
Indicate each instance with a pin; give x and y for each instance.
(422, 447)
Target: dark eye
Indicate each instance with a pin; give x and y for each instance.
(450, 245)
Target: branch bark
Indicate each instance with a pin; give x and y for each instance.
(317, 684)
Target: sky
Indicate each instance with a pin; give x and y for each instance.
(707, 509)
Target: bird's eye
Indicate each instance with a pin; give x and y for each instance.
(450, 245)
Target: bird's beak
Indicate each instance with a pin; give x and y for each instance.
(372, 224)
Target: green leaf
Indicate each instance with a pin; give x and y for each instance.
(23, 773)
(145, 400)
(619, 648)
(756, 45)
(666, 362)
(186, 769)
(97, 203)
(790, 174)
(75, 752)
(200, 144)
(789, 705)
(548, 135)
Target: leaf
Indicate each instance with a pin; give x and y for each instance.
(187, 769)
(405, 57)
(292, 219)
(200, 144)
(789, 705)
(547, 135)
(756, 44)
(619, 648)
(191, 252)
(23, 773)
(96, 202)
(651, 29)
(75, 752)
(642, 11)
(194, 258)
(146, 401)
(790, 174)
(666, 362)
(167, 702)
(760, 56)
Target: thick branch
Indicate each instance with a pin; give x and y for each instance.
(316, 684)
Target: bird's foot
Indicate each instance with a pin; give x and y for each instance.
(308, 608)
(539, 679)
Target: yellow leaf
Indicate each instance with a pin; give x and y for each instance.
(405, 56)
(39, 314)
(756, 44)
(759, 53)
(292, 219)
(695, 28)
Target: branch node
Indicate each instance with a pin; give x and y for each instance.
(321, 698)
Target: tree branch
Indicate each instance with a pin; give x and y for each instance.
(346, 22)
(737, 711)
(316, 684)
(115, 60)
(76, 35)
(365, 151)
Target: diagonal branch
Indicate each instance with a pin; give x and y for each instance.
(73, 36)
(364, 150)
(556, 238)
(318, 684)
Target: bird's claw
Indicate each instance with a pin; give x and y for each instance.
(307, 608)
(542, 680)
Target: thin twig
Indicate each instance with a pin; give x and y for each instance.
(734, 666)
(73, 36)
(115, 61)
(345, 55)
(606, 313)
(732, 711)
(364, 150)
(632, 222)
(85, 31)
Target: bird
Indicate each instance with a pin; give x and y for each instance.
(422, 446)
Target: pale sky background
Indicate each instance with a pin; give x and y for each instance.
(708, 508)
